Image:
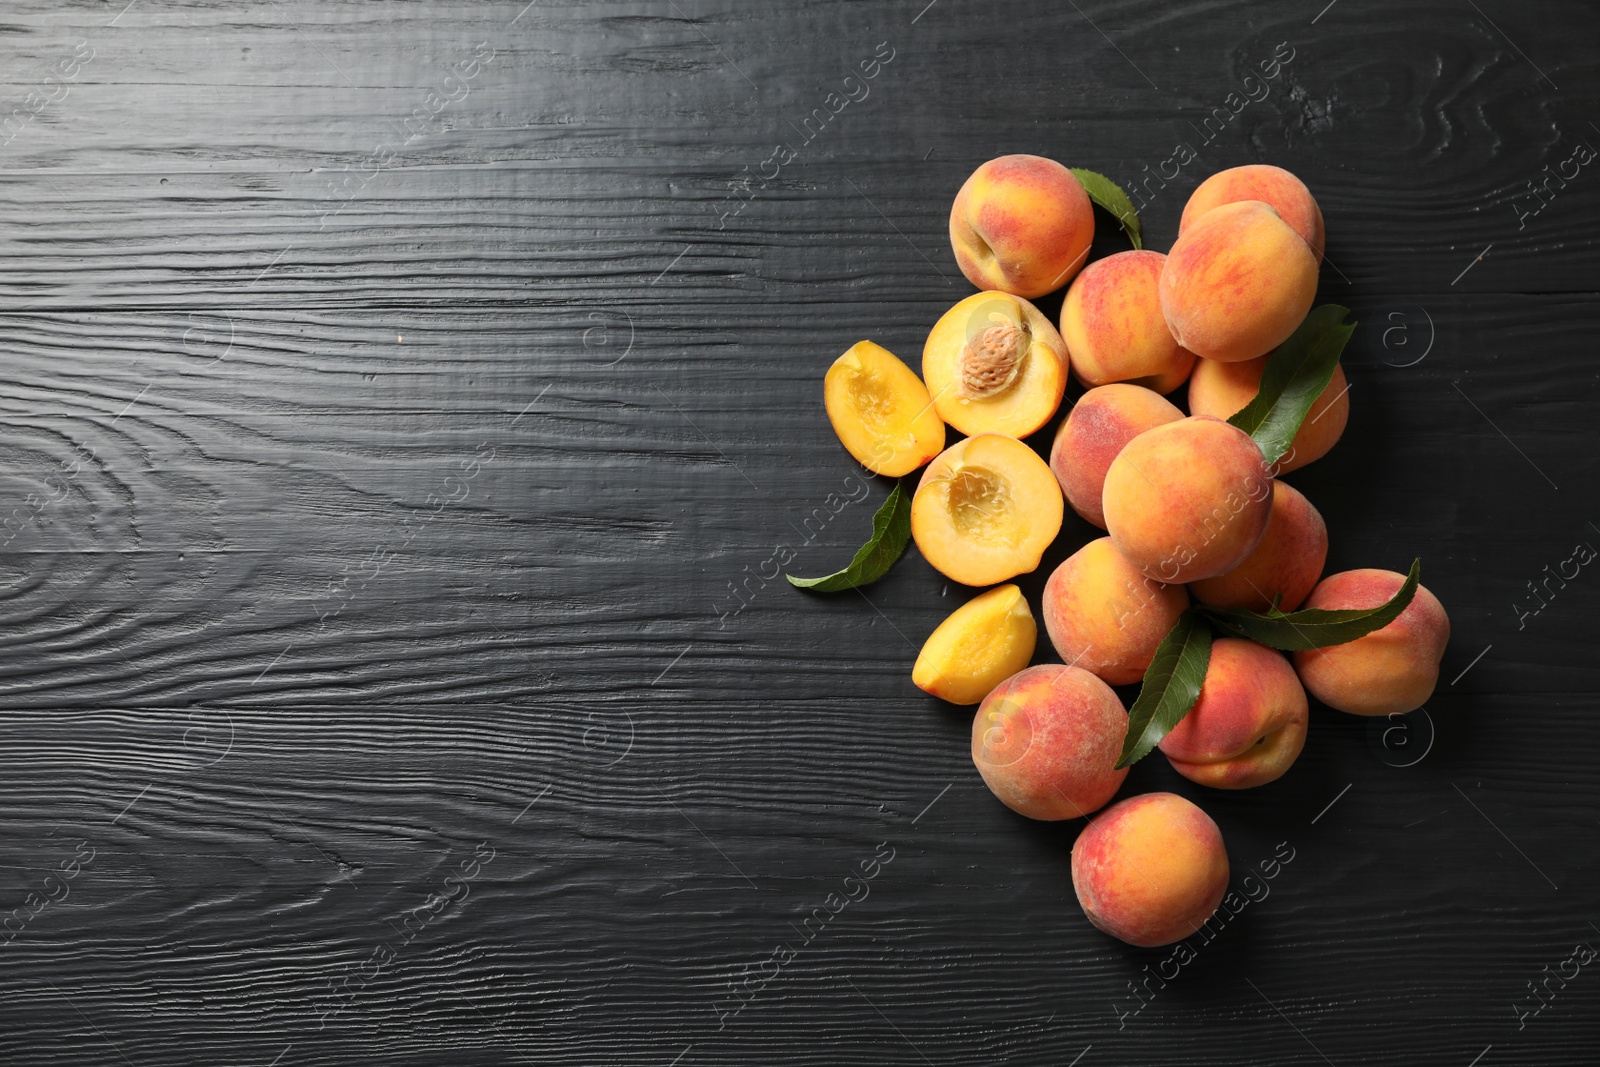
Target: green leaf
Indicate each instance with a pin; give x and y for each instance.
(1171, 686)
(1296, 374)
(1296, 631)
(891, 529)
(1109, 195)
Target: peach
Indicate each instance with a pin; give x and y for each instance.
(1237, 283)
(1105, 616)
(1389, 671)
(1047, 740)
(881, 411)
(982, 643)
(1188, 500)
(1249, 724)
(1273, 186)
(1021, 224)
(1284, 567)
(994, 364)
(1150, 870)
(985, 510)
(1112, 323)
(1102, 421)
(1222, 389)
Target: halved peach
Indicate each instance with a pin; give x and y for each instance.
(881, 411)
(982, 643)
(995, 364)
(985, 510)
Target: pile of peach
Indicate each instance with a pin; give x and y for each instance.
(1192, 509)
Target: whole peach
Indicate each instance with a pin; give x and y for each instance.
(1021, 224)
(1111, 320)
(1249, 724)
(1188, 499)
(1274, 186)
(1221, 389)
(1150, 870)
(1105, 616)
(1047, 739)
(1237, 283)
(1102, 421)
(1284, 567)
(1389, 671)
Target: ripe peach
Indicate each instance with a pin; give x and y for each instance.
(1237, 283)
(1389, 671)
(1114, 329)
(1021, 224)
(1150, 870)
(1249, 724)
(1105, 616)
(1222, 389)
(994, 364)
(1188, 499)
(982, 643)
(1273, 186)
(1102, 421)
(881, 411)
(1046, 741)
(1284, 567)
(985, 510)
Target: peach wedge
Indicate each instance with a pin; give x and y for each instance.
(985, 510)
(994, 364)
(881, 411)
(982, 643)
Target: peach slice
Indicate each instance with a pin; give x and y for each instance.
(994, 364)
(1022, 224)
(1284, 567)
(985, 510)
(1150, 869)
(1249, 724)
(881, 411)
(1105, 616)
(1222, 389)
(982, 643)
(1112, 323)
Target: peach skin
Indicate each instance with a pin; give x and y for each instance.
(1389, 671)
(1188, 499)
(1102, 421)
(1150, 870)
(1021, 224)
(982, 643)
(1112, 323)
(1046, 740)
(1249, 724)
(985, 510)
(1237, 283)
(1284, 567)
(1105, 616)
(995, 364)
(1273, 186)
(1222, 389)
(881, 411)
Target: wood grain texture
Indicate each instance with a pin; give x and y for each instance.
(401, 405)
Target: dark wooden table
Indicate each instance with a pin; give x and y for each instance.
(393, 395)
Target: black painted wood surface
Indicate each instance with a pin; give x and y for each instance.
(392, 391)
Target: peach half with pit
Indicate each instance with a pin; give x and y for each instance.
(985, 510)
(995, 364)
